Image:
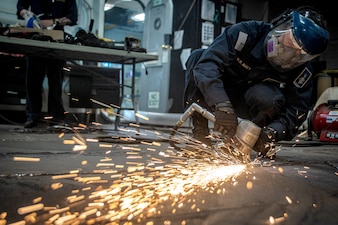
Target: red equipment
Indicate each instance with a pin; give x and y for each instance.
(325, 121)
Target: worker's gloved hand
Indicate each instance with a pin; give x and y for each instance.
(32, 21)
(225, 119)
(265, 141)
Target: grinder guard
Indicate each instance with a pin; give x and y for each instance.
(239, 146)
(242, 143)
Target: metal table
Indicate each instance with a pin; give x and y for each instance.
(71, 52)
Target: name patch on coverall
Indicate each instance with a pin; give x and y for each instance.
(302, 78)
(242, 37)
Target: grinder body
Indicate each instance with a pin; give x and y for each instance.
(247, 134)
(240, 145)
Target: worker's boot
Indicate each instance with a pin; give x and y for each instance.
(30, 124)
(200, 128)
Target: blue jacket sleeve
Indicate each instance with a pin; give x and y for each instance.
(220, 55)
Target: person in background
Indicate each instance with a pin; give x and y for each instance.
(257, 71)
(45, 14)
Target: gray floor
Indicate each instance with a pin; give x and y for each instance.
(135, 175)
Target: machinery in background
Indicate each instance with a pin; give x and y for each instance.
(172, 29)
(155, 78)
(324, 121)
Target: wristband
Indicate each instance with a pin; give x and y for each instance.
(225, 107)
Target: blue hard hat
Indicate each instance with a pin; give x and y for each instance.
(311, 37)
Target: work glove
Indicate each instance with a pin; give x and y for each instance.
(265, 141)
(225, 119)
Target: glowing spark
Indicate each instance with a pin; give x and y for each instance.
(105, 164)
(79, 148)
(31, 218)
(134, 125)
(68, 142)
(105, 146)
(30, 208)
(78, 141)
(86, 179)
(134, 190)
(53, 218)
(64, 219)
(55, 186)
(58, 211)
(87, 213)
(141, 116)
(288, 199)
(3, 215)
(130, 148)
(36, 200)
(92, 140)
(101, 103)
(273, 220)
(105, 160)
(26, 159)
(249, 185)
(156, 143)
(82, 125)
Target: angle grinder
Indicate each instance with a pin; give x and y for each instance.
(240, 145)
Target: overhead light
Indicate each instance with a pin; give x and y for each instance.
(138, 17)
(108, 6)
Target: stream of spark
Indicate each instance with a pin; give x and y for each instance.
(135, 190)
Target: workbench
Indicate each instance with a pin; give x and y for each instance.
(72, 53)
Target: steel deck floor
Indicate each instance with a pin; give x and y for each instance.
(299, 186)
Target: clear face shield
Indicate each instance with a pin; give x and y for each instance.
(284, 50)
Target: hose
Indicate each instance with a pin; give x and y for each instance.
(192, 108)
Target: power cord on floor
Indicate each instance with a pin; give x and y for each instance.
(9, 121)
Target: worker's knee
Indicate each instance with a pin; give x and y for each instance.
(265, 95)
(265, 102)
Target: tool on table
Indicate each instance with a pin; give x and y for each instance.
(239, 146)
(31, 21)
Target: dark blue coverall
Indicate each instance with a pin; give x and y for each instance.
(234, 68)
